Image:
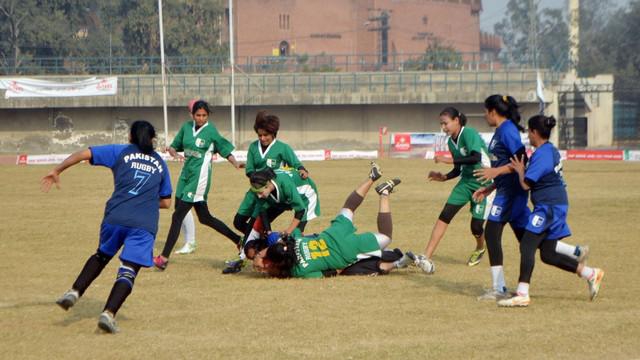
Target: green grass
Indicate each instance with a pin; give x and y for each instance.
(192, 311)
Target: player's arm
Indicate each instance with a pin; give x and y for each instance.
(165, 203)
(54, 175)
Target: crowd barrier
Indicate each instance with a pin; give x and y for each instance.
(322, 155)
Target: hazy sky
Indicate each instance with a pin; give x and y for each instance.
(494, 10)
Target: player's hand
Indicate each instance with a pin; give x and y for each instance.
(50, 179)
(241, 165)
(443, 159)
(481, 193)
(517, 164)
(436, 176)
(303, 173)
(486, 174)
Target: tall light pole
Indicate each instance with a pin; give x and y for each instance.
(232, 61)
(164, 78)
(574, 36)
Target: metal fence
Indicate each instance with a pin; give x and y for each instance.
(253, 64)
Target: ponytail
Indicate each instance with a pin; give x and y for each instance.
(453, 113)
(505, 106)
(142, 134)
(542, 124)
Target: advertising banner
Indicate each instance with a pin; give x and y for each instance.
(29, 88)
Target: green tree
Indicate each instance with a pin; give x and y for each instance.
(437, 56)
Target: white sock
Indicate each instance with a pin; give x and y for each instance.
(188, 228)
(566, 249)
(523, 289)
(586, 273)
(497, 275)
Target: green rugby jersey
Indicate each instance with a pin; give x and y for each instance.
(277, 155)
(468, 141)
(199, 147)
(294, 192)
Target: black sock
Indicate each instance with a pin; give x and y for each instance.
(91, 270)
(122, 287)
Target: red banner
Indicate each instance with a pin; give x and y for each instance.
(402, 142)
(595, 155)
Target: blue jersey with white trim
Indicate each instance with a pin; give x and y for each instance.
(504, 144)
(544, 176)
(140, 181)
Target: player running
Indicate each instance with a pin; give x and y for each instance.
(548, 222)
(469, 153)
(142, 186)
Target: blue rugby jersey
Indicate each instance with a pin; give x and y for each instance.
(503, 146)
(140, 181)
(544, 176)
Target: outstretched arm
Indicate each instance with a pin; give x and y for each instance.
(54, 176)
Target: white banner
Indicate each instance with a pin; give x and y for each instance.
(354, 154)
(26, 88)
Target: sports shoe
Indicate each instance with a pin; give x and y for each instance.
(515, 301)
(188, 248)
(388, 185)
(405, 260)
(582, 251)
(493, 295)
(68, 299)
(595, 282)
(425, 264)
(234, 267)
(475, 257)
(107, 323)
(375, 173)
(160, 263)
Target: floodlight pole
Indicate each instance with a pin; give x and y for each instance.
(233, 74)
(164, 77)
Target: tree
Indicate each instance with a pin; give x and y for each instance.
(546, 46)
(13, 16)
(437, 56)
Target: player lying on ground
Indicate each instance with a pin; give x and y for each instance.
(142, 185)
(337, 247)
(548, 222)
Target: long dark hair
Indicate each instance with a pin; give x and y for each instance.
(505, 106)
(453, 113)
(542, 124)
(142, 134)
(200, 104)
(262, 177)
(267, 122)
(282, 257)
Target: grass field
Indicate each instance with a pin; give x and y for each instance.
(192, 311)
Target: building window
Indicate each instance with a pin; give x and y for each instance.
(284, 48)
(425, 20)
(284, 22)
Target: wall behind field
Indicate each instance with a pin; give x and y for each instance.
(337, 127)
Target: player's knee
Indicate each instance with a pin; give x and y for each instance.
(240, 222)
(448, 212)
(127, 274)
(103, 259)
(477, 228)
(383, 240)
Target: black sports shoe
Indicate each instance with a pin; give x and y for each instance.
(388, 185)
(234, 267)
(375, 173)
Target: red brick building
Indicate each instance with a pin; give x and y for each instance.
(377, 30)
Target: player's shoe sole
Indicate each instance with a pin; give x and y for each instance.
(595, 282)
(387, 186)
(515, 301)
(375, 173)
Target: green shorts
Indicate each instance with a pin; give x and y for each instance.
(462, 193)
(351, 246)
(191, 189)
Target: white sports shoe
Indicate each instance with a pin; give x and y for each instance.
(107, 323)
(425, 264)
(515, 301)
(406, 259)
(594, 283)
(188, 248)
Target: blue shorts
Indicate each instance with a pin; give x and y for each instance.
(549, 218)
(511, 208)
(138, 243)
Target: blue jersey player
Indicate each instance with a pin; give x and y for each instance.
(142, 185)
(548, 221)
